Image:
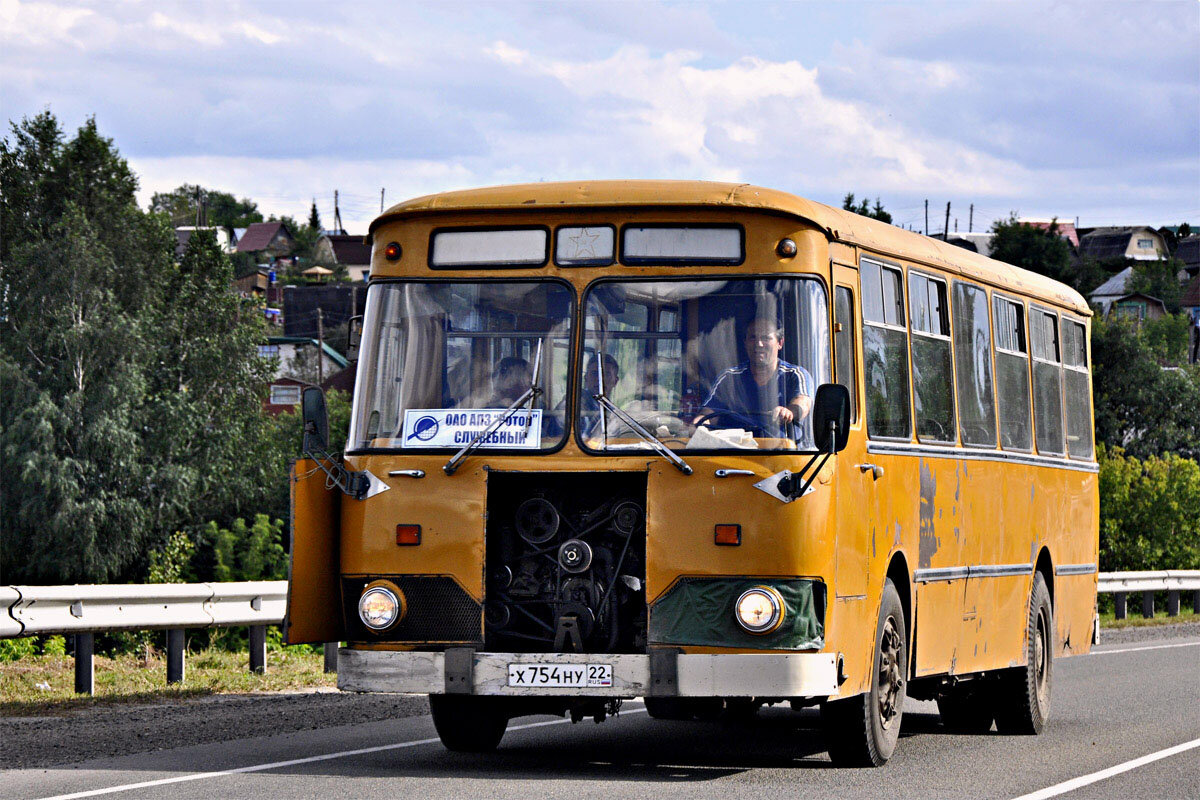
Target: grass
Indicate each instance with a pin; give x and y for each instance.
(1134, 618)
(132, 679)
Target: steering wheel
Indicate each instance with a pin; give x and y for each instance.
(744, 417)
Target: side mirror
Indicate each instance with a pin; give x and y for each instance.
(831, 405)
(316, 420)
(354, 338)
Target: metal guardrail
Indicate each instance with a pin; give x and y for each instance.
(84, 610)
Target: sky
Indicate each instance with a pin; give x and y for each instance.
(1075, 110)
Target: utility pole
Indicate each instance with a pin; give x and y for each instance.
(971, 220)
(337, 215)
(956, 224)
(381, 199)
(197, 206)
(926, 231)
(320, 346)
(946, 227)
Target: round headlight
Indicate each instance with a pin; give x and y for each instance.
(759, 610)
(380, 607)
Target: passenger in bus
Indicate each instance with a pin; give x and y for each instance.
(764, 391)
(510, 380)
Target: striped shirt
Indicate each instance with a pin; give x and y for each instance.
(736, 391)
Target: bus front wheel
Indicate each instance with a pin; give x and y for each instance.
(862, 731)
(468, 724)
(1023, 696)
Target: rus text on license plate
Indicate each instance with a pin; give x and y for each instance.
(560, 676)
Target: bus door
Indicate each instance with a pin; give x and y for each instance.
(313, 598)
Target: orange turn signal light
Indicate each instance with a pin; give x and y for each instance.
(408, 534)
(392, 251)
(727, 534)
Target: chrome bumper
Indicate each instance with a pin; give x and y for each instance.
(465, 671)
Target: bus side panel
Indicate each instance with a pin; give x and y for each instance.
(1077, 542)
(314, 611)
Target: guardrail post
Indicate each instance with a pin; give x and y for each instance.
(85, 674)
(175, 656)
(1148, 604)
(1119, 605)
(258, 648)
(331, 649)
(1172, 603)
(1196, 602)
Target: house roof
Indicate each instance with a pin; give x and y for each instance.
(1102, 243)
(1141, 296)
(1065, 228)
(1191, 295)
(1114, 286)
(975, 242)
(1188, 250)
(837, 224)
(258, 236)
(351, 250)
(332, 354)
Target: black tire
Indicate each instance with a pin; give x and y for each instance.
(684, 708)
(468, 724)
(1022, 698)
(967, 708)
(862, 731)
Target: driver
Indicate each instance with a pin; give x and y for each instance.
(764, 387)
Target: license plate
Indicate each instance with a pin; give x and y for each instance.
(560, 676)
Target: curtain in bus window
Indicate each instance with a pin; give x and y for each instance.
(885, 353)
(1012, 377)
(973, 361)
(844, 341)
(933, 396)
(1077, 390)
(1047, 383)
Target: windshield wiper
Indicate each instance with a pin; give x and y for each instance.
(646, 435)
(530, 394)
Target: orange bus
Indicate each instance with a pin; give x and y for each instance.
(711, 445)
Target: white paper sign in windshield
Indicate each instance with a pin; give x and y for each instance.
(507, 248)
(457, 427)
(665, 245)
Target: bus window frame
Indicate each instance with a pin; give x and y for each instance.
(987, 296)
(1022, 307)
(679, 262)
(628, 278)
(1056, 315)
(883, 264)
(1065, 319)
(546, 255)
(856, 414)
(497, 451)
(594, 263)
(949, 339)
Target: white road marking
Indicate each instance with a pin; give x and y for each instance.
(199, 776)
(1086, 780)
(1147, 647)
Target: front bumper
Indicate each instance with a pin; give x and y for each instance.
(662, 674)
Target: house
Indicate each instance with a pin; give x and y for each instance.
(1191, 307)
(1140, 243)
(268, 240)
(1188, 251)
(975, 242)
(332, 303)
(1111, 290)
(255, 283)
(1065, 228)
(284, 395)
(183, 235)
(1138, 307)
(351, 252)
(294, 352)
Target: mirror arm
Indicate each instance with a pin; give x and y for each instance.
(354, 484)
(790, 489)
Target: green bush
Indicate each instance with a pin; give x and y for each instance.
(15, 649)
(1149, 512)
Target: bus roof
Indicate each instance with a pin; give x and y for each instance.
(838, 224)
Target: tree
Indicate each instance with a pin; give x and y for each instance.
(1158, 279)
(314, 218)
(1039, 250)
(223, 210)
(864, 208)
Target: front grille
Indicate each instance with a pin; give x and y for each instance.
(439, 610)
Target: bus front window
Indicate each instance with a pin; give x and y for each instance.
(442, 360)
(704, 364)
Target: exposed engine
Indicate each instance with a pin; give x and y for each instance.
(566, 563)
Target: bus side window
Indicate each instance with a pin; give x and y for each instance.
(1012, 374)
(885, 352)
(843, 310)
(973, 365)
(1077, 390)
(1047, 381)
(933, 376)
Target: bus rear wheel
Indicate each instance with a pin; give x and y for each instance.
(468, 724)
(862, 731)
(1023, 696)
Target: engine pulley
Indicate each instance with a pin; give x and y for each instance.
(575, 556)
(537, 520)
(627, 516)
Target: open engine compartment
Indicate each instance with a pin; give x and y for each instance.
(566, 563)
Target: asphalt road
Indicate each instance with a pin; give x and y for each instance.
(1125, 702)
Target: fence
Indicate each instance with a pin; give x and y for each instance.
(86, 610)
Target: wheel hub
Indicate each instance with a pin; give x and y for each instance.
(891, 678)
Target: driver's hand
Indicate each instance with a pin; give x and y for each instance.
(784, 414)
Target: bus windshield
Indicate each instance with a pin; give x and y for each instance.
(442, 361)
(703, 364)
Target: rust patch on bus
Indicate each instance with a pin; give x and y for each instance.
(928, 542)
